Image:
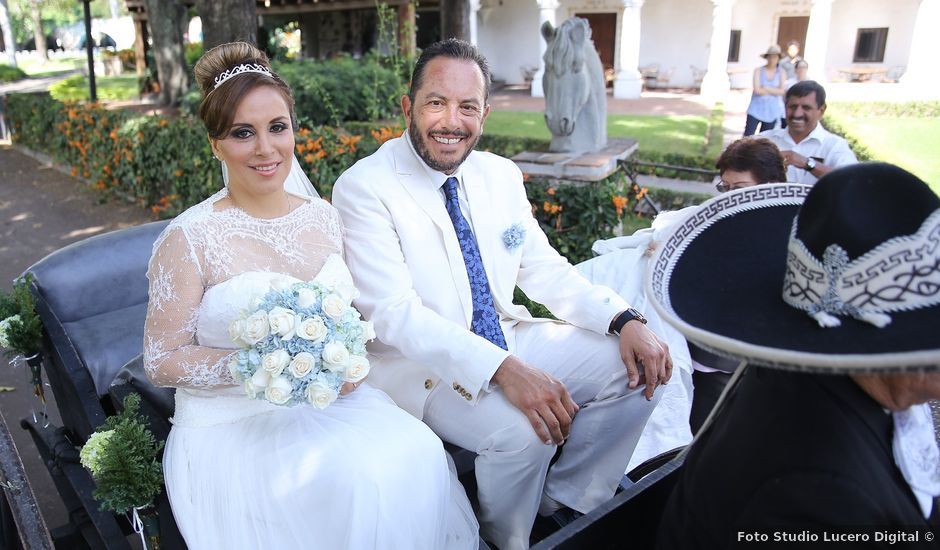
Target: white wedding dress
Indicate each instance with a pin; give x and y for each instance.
(242, 473)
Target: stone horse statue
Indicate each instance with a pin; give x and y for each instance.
(575, 89)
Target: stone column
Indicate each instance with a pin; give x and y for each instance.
(546, 13)
(474, 13)
(629, 81)
(925, 43)
(817, 39)
(715, 83)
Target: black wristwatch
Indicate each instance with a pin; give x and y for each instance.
(810, 164)
(629, 314)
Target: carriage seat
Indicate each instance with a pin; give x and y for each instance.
(92, 297)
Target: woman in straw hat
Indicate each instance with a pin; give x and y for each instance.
(766, 107)
(842, 303)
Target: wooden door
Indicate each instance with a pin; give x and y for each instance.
(603, 32)
(792, 28)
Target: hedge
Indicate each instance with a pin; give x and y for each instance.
(9, 73)
(166, 165)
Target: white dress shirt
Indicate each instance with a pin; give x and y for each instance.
(821, 144)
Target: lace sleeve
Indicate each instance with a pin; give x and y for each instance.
(171, 355)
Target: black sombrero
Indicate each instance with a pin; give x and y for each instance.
(848, 281)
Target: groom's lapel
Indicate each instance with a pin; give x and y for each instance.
(426, 193)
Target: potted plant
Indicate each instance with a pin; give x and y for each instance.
(21, 330)
(122, 456)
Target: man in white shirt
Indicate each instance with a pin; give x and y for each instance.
(809, 151)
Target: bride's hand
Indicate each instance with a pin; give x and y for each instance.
(349, 387)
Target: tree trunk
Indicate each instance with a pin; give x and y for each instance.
(228, 21)
(455, 19)
(36, 16)
(167, 19)
(9, 42)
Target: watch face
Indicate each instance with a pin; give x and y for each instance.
(637, 315)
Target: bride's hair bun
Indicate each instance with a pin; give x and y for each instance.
(220, 102)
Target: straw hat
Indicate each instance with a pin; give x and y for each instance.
(840, 277)
(772, 50)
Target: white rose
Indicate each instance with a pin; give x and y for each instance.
(235, 330)
(320, 395)
(347, 291)
(283, 322)
(257, 383)
(368, 330)
(233, 368)
(278, 391)
(302, 364)
(335, 354)
(275, 362)
(256, 328)
(312, 329)
(333, 306)
(306, 297)
(357, 368)
(280, 283)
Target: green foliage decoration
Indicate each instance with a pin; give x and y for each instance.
(122, 456)
(334, 91)
(20, 327)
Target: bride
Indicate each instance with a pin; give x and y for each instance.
(244, 473)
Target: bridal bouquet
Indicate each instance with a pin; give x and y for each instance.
(300, 344)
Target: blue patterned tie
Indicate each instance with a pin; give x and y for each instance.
(485, 320)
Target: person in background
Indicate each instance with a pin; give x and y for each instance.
(766, 107)
(809, 150)
(789, 61)
(748, 162)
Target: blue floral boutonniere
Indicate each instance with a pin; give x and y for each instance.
(514, 236)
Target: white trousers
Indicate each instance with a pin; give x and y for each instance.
(512, 464)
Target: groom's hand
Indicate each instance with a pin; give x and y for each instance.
(641, 348)
(544, 400)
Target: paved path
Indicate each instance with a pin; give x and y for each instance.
(41, 210)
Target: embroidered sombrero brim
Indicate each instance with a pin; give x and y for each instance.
(719, 277)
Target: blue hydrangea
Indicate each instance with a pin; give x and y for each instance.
(514, 236)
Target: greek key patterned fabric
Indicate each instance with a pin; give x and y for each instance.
(485, 321)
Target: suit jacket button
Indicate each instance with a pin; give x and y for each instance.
(428, 384)
(456, 386)
(467, 396)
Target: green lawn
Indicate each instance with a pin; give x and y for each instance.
(107, 88)
(36, 67)
(668, 134)
(911, 143)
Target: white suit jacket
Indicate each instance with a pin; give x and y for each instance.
(402, 250)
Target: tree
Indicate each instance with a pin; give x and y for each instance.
(167, 19)
(227, 21)
(35, 15)
(455, 19)
(9, 41)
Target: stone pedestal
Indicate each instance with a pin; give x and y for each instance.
(577, 166)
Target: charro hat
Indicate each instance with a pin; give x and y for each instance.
(840, 277)
(772, 50)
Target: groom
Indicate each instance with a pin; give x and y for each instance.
(437, 238)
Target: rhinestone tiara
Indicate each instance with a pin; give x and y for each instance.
(239, 69)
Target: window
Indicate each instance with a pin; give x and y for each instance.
(734, 48)
(870, 45)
